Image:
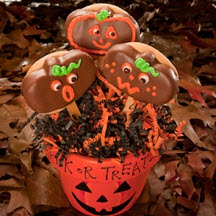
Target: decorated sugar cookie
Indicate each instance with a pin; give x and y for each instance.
(57, 80)
(96, 28)
(141, 72)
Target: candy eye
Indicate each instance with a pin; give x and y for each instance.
(111, 33)
(72, 78)
(127, 68)
(56, 85)
(95, 30)
(143, 78)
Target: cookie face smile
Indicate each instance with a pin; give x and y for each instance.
(139, 75)
(60, 81)
(96, 32)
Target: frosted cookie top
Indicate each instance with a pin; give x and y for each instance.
(96, 28)
(141, 72)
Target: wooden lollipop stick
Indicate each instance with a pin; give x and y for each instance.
(128, 104)
(73, 110)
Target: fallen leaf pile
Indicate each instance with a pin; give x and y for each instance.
(183, 182)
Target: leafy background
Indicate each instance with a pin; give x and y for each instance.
(184, 180)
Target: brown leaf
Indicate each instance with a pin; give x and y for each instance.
(5, 84)
(161, 209)
(12, 111)
(164, 44)
(195, 90)
(19, 198)
(20, 147)
(21, 12)
(6, 97)
(145, 195)
(44, 189)
(20, 212)
(10, 170)
(210, 170)
(4, 199)
(187, 203)
(192, 111)
(207, 70)
(198, 41)
(185, 173)
(208, 206)
(32, 30)
(15, 37)
(194, 160)
(159, 169)
(156, 185)
(9, 159)
(170, 168)
(11, 184)
(14, 64)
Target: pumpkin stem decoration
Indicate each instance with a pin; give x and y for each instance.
(144, 67)
(102, 15)
(61, 71)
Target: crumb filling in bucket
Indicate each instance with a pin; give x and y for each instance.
(104, 130)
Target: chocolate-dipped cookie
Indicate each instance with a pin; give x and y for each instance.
(96, 28)
(141, 72)
(58, 79)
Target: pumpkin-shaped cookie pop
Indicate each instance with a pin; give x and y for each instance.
(57, 80)
(140, 71)
(96, 28)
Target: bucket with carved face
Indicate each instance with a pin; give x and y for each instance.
(107, 188)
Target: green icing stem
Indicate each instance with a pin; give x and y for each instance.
(62, 70)
(144, 67)
(102, 15)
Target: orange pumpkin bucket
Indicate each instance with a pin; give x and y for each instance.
(107, 188)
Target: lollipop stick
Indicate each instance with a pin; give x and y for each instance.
(128, 104)
(73, 110)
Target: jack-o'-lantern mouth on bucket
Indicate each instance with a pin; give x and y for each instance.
(92, 210)
(106, 205)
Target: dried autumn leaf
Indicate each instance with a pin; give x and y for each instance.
(194, 160)
(159, 169)
(170, 169)
(45, 190)
(4, 199)
(32, 30)
(18, 194)
(205, 43)
(161, 208)
(20, 212)
(208, 206)
(9, 159)
(16, 37)
(14, 64)
(195, 90)
(187, 203)
(145, 195)
(10, 170)
(185, 173)
(5, 84)
(156, 185)
(6, 97)
(19, 198)
(207, 70)
(210, 170)
(20, 148)
(21, 12)
(192, 111)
